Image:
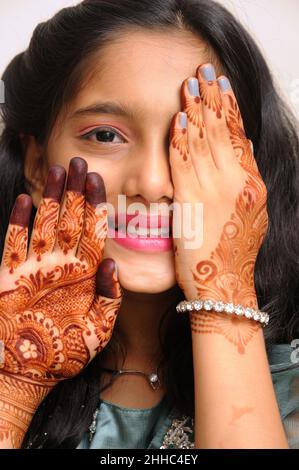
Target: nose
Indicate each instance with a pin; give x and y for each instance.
(149, 172)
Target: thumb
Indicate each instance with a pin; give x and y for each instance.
(106, 304)
(107, 284)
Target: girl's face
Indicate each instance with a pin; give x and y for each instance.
(142, 73)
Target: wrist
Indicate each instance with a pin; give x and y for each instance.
(243, 295)
(19, 400)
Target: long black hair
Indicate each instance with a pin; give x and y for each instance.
(45, 77)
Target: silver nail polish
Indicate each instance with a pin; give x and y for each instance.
(208, 72)
(193, 86)
(224, 84)
(183, 119)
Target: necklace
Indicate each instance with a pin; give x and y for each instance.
(152, 378)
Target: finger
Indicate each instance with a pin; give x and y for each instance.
(92, 242)
(198, 144)
(72, 212)
(242, 146)
(46, 219)
(183, 172)
(16, 241)
(214, 117)
(106, 305)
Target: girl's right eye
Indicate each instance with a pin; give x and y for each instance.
(104, 133)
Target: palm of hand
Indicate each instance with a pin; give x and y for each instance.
(52, 322)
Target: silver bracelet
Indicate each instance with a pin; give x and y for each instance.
(219, 307)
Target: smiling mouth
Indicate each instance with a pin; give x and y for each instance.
(157, 232)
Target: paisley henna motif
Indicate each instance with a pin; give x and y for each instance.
(229, 273)
(71, 221)
(230, 268)
(238, 137)
(16, 247)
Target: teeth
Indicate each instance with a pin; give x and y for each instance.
(144, 232)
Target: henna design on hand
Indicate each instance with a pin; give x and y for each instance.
(178, 142)
(225, 272)
(71, 222)
(210, 96)
(55, 315)
(15, 249)
(45, 226)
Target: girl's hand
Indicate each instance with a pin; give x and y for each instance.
(213, 164)
(57, 309)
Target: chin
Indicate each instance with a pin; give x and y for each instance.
(149, 286)
(140, 272)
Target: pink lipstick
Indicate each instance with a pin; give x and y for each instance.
(145, 233)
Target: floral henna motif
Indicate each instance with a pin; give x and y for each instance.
(192, 107)
(71, 222)
(178, 142)
(239, 331)
(45, 226)
(16, 247)
(54, 340)
(210, 96)
(44, 344)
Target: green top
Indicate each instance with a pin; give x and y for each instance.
(117, 427)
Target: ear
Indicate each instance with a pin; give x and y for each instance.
(35, 167)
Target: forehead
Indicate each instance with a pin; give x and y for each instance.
(145, 69)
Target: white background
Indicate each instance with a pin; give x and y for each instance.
(273, 23)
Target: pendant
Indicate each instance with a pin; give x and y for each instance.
(154, 381)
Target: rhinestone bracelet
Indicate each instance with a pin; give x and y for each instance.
(219, 307)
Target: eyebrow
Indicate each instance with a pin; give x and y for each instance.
(108, 107)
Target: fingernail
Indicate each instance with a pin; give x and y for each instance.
(224, 84)
(77, 175)
(21, 212)
(183, 119)
(193, 86)
(95, 189)
(55, 183)
(208, 72)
